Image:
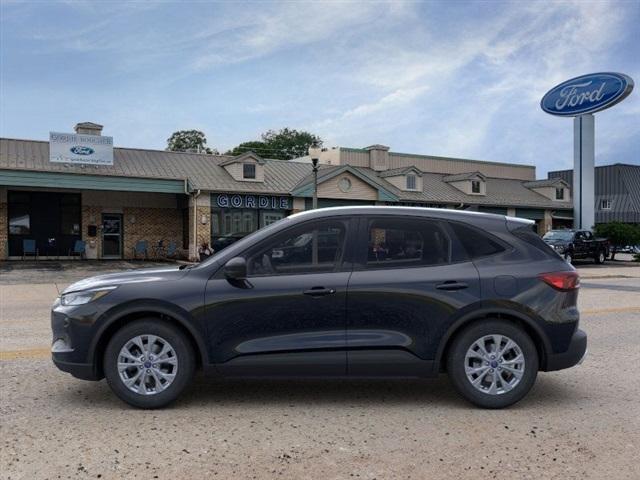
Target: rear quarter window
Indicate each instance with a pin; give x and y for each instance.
(532, 238)
(476, 243)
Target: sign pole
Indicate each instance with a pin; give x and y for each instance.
(583, 171)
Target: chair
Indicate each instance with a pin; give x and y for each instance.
(79, 248)
(141, 248)
(172, 248)
(29, 248)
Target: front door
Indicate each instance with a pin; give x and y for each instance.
(288, 318)
(403, 295)
(111, 235)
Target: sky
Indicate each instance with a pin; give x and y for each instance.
(452, 78)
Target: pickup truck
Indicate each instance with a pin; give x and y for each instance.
(577, 244)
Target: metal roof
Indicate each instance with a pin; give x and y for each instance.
(205, 172)
(463, 176)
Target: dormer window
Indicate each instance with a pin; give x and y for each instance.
(249, 171)
(475, 186)
(559, 193)
(411, 182)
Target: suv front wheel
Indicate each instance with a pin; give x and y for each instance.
(493, 363)
(148, 363)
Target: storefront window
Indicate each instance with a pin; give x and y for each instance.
(234, 216)
(19, 218)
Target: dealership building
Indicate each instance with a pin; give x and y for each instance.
(79, 187)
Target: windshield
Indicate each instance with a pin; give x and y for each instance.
(558, 235)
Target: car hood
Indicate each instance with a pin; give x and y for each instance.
(557, 242)
(144, 275)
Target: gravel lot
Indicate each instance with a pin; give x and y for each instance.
(578, 423)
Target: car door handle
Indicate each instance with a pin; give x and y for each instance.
(452, 285)
(319, 291)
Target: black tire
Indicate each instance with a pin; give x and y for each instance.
(456, 363)
(600, 257)
(183, 351)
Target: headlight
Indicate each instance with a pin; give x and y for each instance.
(85, 296)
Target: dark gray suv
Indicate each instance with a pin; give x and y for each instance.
(350, 291)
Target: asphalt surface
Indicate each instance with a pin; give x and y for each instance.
(578, 423)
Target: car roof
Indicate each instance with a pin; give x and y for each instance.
(444, 213)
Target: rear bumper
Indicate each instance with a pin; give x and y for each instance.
(574, 355)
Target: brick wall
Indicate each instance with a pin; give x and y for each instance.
(152, 225)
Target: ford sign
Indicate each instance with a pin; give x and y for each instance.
(79, 150)
(587, 94)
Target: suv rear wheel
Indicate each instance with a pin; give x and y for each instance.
(600, 257)
(493, 363)
(148, 363)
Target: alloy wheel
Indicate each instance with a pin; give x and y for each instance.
(147, 364)
(494, 364)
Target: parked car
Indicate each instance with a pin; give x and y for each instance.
(406, 292)
(577, 244)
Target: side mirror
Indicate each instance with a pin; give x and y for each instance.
(236, 269)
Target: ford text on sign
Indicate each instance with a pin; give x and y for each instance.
(587, 94)
(85, 149)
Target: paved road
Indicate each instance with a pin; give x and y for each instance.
(579, 423)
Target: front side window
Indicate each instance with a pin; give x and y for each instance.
(249, 170)
(475, 186)
(406, 243)
(559, 193)
(411, 182)
(314, 248)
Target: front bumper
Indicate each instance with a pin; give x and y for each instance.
(72, 330)
(83, 371)
(574, 355)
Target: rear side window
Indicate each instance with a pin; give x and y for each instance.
(532, 238)
(406, 243)
(475, 242)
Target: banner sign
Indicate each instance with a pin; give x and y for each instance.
(587, 94)
(80, 149)
(271, 202)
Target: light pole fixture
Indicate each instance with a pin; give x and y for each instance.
(314, 153)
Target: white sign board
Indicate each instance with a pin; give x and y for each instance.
(75, 148)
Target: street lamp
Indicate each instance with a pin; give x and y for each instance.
(314, 153)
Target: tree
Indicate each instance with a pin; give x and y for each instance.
(257, 147)
(188, 141)
(284, 144)
(619, 234)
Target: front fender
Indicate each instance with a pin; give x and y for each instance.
(149, 307)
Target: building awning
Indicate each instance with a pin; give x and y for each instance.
(29, 178)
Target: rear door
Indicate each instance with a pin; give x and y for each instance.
(410, 279)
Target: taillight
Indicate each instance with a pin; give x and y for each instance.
(564, 281)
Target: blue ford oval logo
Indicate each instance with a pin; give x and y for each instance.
(79, 150)
(587, 94)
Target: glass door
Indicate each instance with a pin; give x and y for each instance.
(111, 235)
